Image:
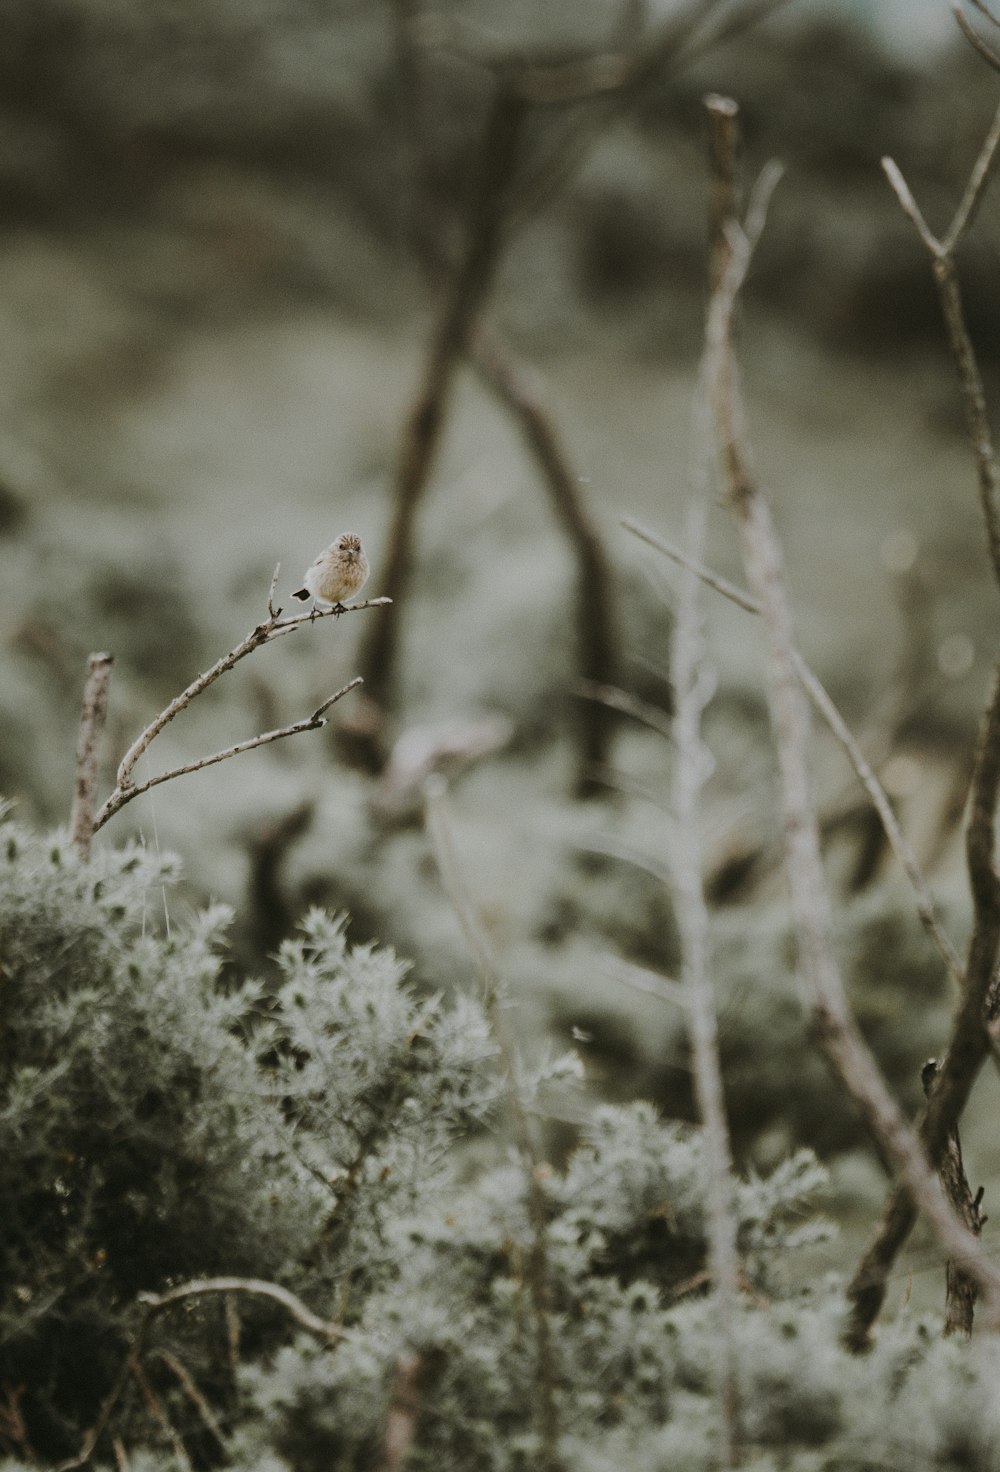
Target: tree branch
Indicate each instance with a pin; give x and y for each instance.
(123, 795)
(834, 1025)
(439, 829)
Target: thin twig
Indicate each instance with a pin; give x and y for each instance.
(825, 705)
(961, 1291)
(88, 750)
(272, 628)
(123, 795)
(835, 1027)
(160, 1416)
(974, 39)
(449, 867)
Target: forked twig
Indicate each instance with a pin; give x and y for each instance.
(834, 1024)
(122, 795)
(84, 822)
(942, 253)
(970, 1039)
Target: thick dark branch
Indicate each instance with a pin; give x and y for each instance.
(422, 433)
(833, 1023)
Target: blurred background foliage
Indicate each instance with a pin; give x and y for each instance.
(213, 315)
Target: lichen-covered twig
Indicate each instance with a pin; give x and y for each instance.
(970, 1037)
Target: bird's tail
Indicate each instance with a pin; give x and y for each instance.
(303, 595)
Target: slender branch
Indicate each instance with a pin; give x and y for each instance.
(519, 389)
(88, 750)
(824, 704)
(449, 867)
(156, 1303)
(962, 351)
(273, 627)
(160, 1416)
(970, 1039)
(835, 1027)
(123, 795)
(961, 1290)
(152, 1304)
(406, 1407)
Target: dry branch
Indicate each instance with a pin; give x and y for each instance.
(834, 1025)
(85, 823)
(152, 1304)
(970, 1039)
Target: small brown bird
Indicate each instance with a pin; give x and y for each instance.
(339, 572)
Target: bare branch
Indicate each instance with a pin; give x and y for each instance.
(835, 1026)
(131, 790)
(693, 926)
(974, 39)
(909, 205)
(159, 1415)
(186, 1381)
(88, 750)
(824, 704)
(963, 353)
(265, 633)
(156, 1303)
(970, 1039)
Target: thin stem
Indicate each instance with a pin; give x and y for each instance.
(126, 794)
